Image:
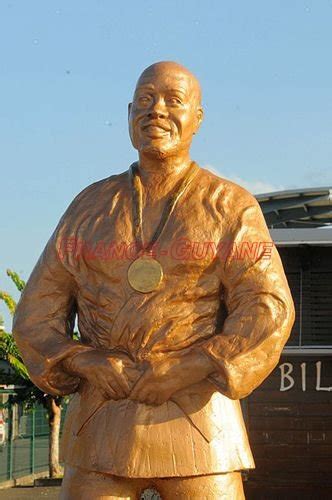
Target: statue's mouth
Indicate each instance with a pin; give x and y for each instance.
(155, 131)
(156, 126)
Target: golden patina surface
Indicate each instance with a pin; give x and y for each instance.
(157, 377)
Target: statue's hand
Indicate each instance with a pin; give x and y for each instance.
(113, 374)
(166, 375)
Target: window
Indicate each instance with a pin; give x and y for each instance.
(309, 274)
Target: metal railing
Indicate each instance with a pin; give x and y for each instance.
(24, 440)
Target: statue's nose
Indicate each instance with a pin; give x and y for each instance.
(155, 113)
(157, 110)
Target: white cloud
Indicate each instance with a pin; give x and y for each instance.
(254, 186)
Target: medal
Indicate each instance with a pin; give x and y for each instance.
(146, 273)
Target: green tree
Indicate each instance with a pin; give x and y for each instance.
(29, 394)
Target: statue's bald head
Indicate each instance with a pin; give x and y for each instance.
(166, 110)
(165, 68)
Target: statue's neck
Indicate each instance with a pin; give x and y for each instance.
(159, 176)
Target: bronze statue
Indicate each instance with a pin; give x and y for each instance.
(174, 329)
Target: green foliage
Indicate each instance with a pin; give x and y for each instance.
(16, 279)
(8, 347)
(26, 393)
(9, 301)
(6, 297)
(9, 352)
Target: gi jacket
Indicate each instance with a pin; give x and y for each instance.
(224, 291)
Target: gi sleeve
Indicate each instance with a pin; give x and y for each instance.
(43, 323)
(260, 308)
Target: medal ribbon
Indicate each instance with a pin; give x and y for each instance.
(137, 193)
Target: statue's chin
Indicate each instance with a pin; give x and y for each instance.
(157, 152)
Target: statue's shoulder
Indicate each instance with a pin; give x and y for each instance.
(226, 193)
(109, 184)
(92, 201)
(92, 194)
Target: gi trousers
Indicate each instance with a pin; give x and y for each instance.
(81, 484)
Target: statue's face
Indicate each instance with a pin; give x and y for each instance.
(165, 112)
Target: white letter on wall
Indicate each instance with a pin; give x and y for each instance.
(303, 376)
(286, 375)
(318, 378)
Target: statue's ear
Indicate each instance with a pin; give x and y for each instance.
(200, 115)
(129, 109)
(199, 118)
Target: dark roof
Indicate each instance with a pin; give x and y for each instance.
(297, 208)
(303, 236)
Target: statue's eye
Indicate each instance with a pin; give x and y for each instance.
(174, 100)
(144, 99)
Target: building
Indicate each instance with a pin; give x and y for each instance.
(289, 416)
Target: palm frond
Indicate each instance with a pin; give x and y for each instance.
(18, 282)
(8, 345)
(18, 366)
(9, 301)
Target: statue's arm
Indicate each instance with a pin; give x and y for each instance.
(43, 324)
(259, 304)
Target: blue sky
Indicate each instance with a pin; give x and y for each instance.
(68, 69)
